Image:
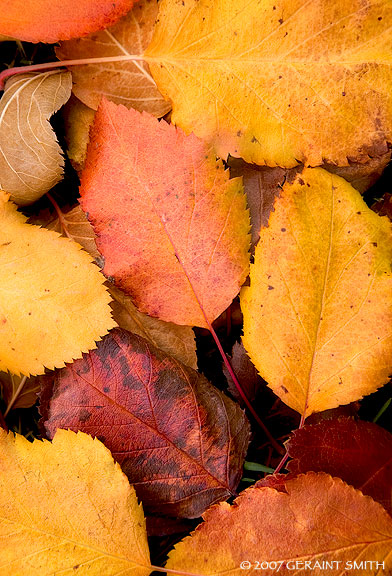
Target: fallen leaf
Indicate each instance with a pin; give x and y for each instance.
(384, 206)
(18, 392)
(78, 120)
(31, 161)
(180, 441)
(320, 519)
(358, 452)
(171, 226)
(66, 507)
(362, 176)
(73, 223)
(278, 82)
(262, 184)
(54, 20)
(129, 83)
(245, 372)
(177, 341)
(318, 311)
(53, 304)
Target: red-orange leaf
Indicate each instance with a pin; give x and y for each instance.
(180, 441)
(53, 20)
(357, 451)
(173, 229)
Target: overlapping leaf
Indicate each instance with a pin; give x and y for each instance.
(320, 519)
(52, 299)
(280, 81)
(53, 20)
(318, 312)
(180, 441)
(17, 391)
(66, 507)
(358, 452)
(171, 226)
(129, 83)
(31, 162)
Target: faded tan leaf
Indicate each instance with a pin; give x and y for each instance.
(362, 176)
(128, 83)
(31, 162)
(178, 341)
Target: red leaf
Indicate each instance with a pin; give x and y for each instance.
(358, 452)
(180, 441)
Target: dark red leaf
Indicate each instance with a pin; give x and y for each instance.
(181, 442)
(358, 452)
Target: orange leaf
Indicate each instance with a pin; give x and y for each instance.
(173, 229)
(129, 83)
(53, 20)
(319, 520)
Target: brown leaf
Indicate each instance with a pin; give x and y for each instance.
(245, 372)
(384, 206)
(177, 341)
(129, 83)
(18, 392)
(71, 223)
(362, 176)
(180, 441)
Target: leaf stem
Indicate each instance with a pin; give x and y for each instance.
(59, 214)
(15, 396)
(229, 367)
(64, 63)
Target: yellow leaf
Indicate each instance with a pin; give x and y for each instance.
(319, 520)
(31, 161)
(129, 83)
(66, 508)
(178, 341)
(318, 312)
(53, 305)
(278, 82)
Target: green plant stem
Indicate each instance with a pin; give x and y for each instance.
(382, 410)
(256, 467)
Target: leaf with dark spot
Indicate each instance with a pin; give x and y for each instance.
(181, 442)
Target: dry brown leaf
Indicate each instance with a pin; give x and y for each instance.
(18, 391)
(77, 121)
(73, 224)
(128, 83)
(362, 176)
(31, 162)
(178, 341)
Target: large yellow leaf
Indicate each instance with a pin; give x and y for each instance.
(278, 81)
(66, 508)
(320, 520)
(53, 305)
(31, 162)
(318, 312)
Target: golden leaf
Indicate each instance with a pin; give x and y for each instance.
(66, 507)
(52, 301)
(318, 312)
(278, 82)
